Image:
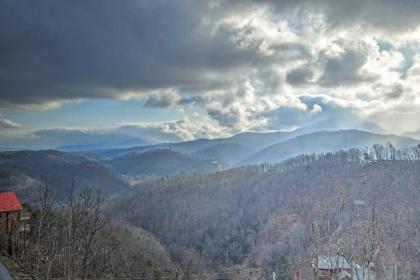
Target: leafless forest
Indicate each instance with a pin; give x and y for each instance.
(253, 222)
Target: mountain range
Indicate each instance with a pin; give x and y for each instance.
(112, 170)
(254, 148)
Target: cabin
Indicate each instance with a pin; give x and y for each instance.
(10, 222)
(338, 268)
(334, 268)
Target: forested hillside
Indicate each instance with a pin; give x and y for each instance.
(362, 205)
(24, 171)
(228, 154)
(251, 220)
(73, 239)
(161, 162)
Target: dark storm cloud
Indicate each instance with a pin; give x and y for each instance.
(229, 117)
(384, 14)
(299, 76)
(344, 69)
(61, 50)
(162, 99)
(53, 50)
(290, 51)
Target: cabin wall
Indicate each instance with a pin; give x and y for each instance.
(9, 234)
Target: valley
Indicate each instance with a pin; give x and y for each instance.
(201, 208)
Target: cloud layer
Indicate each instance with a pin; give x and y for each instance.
(241, 62)
(8, 124)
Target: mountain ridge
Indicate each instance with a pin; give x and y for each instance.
(57, 169)
(325, 141)
(160, 162)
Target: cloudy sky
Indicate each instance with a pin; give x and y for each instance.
(212, 68)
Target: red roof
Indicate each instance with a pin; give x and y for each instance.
(9, 202)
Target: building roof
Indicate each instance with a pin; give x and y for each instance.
(332, 262)
(9, 202)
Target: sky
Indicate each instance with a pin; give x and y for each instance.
(186, 69)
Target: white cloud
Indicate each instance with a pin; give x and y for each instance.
(8, 124)
(316, 109)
